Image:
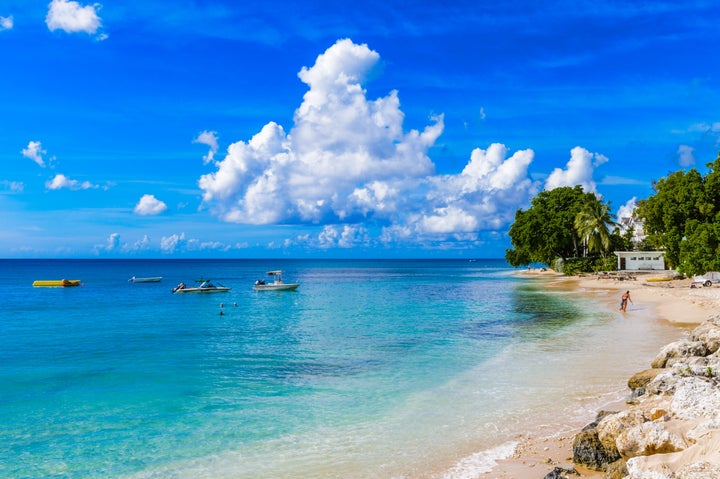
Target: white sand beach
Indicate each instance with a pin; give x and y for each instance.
(674, 301)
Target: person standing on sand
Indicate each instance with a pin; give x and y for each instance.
(624, 300)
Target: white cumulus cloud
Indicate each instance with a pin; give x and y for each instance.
(6, 23)
(340, 143)
(347, 160)
(71, 17)
(149, 205)
(35, 152)
(485, 195)
(579, 171)
(61, 181)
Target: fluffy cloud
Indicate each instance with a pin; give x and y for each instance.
(346, 237)
(579, 170)
(348, 160)
(210, 139)
(340, 143)
(35, 152)
(71, 17)
(149, 205)
(485, 195)
(6, 23)
(62, 181)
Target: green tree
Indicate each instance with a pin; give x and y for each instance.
(593, 224)
(545, 231)
(683, 217)
(700, 251)
(666, 213)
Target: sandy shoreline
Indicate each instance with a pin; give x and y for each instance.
(674, 301)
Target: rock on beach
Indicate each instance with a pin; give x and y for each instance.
(671, 430)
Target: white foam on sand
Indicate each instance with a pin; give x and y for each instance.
(481, 462)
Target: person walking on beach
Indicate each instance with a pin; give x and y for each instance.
(624, 300)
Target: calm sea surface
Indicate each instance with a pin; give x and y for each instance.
(371, 369)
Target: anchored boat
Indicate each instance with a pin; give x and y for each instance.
(206, 286)
(276, 285)
(151, 279)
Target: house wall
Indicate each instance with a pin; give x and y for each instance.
(641, 260)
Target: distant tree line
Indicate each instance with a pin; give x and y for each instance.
(576, 228)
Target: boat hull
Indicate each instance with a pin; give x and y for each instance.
(56, 283)
(276, 287)
(202, 290)
(154, 279)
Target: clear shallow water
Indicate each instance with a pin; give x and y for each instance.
(371, 369)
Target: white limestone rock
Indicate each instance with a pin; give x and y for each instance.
(649, 438)
(677, 350)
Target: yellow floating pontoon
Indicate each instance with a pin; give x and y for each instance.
(658, 280)
(57, 283)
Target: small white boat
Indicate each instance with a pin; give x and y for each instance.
(276, 285)
(205, 287)
(151, 279)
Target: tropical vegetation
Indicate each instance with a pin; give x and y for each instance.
(683, 218)
(567, 228)
(573, 230)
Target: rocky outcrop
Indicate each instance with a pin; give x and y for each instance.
(677, 351)
(589, 451)
(672, 428)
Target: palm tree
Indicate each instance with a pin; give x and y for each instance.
(593, 225)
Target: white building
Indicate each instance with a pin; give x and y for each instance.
(640, 260)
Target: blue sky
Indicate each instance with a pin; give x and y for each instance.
(147, 128)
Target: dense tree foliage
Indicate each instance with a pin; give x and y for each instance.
(546, 231)
(683, 218)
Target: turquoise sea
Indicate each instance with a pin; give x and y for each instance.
(371, 369)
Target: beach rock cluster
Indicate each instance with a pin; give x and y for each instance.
(671, 430)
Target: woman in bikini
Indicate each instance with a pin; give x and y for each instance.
(624, 300)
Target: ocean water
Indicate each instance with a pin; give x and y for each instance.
(371, 369)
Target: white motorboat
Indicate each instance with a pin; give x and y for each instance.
(206, 286)
(276, 285)
(151, 279)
